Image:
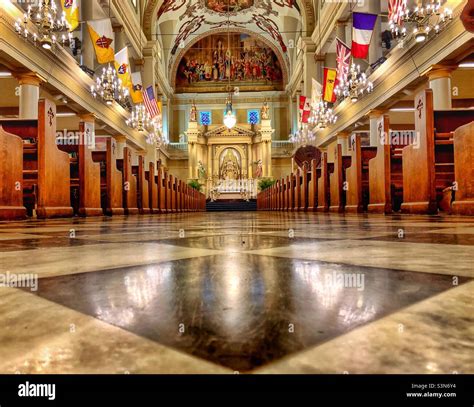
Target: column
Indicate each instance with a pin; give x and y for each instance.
(269, 158)
(309, 65)
(375, 48)
(250, 161)
(374, 117)
(29, 95)
(440, 83)
(148, 75)
(120, 38)
(87, 48)
(166, 131)
(341, 30)
(320, 60)
(192, 134)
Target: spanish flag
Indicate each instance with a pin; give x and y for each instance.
(102, 37)
(122, 66)
(71, 11)
(330, 77)
(136, 91)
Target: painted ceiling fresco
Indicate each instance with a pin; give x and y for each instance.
(275, 21)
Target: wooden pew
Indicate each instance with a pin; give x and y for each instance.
(323, 184)
(419, 190)
(129, 181)
(143, 198)
(357, 175)
(114, 181)
(153, 193)
(380, 171)
(291, 192)
(313, 186)
(337, 180)
(162, 189)
(282, 194)
(464, 169)
(445, 124)
(11, 177)
(298, 186)
(85, 180)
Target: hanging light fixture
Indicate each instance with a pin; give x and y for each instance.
(109, 87)
(139, 118)
(303, 136)
(354, 84)
(51, 24)
(426, 17)
(322, 116)
(229, 117)
(156, 136)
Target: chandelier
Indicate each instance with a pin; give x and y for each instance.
(229, 118)
(322, 116)
(353, 84)
(303, 136)
(156, 136)
(109, 87)
(426, 18)
(50, 24)
(139, 118)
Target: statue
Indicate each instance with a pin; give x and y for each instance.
(265, 111)
(259, 171)
(230, 167)
(201, 170)
(193, 113)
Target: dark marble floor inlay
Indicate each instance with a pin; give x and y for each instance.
(241, 310)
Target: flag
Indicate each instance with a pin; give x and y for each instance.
(150, 102)
(102, 37)
(305, 109)
(396, 8)
(136, 91)
(122, 66)
(362, 29)
(343, 60)
(316, 90)
(71, 11)
(330, 82)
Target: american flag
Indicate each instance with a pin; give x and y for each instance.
(395, 10)
(343, 59)
(150, 102)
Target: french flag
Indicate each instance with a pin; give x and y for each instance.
(362, 28)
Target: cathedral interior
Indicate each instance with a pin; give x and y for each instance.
(236, 186)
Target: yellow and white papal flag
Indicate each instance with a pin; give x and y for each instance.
(122, 66)
(102, 37)
(71, 10)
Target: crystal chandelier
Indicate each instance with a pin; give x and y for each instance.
(139, 118)
(229, 118)
(156, 136)
(303, 136)
(353, 85)
(109, 87)
(426, 17)
(322, 116)
(50, 23)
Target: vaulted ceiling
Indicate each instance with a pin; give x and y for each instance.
(178, 24)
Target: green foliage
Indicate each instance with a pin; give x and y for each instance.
(265, 183)
(194, 183)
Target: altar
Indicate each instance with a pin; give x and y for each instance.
(229, 162)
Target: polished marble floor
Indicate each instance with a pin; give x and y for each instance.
(239, 292)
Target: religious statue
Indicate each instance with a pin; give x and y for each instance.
(193, 113)
(265, 111)
(230, 167)
(201, 170)
(259, 171)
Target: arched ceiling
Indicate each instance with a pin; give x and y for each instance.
(177, 23)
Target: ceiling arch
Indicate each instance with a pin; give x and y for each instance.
(275, 10)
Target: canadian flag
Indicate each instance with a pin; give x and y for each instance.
(305, 109)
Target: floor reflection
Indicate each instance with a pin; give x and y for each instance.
(241, 310)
